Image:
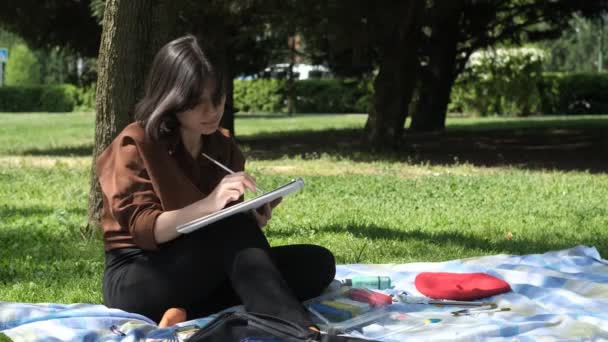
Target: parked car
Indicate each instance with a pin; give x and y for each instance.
(300, 71)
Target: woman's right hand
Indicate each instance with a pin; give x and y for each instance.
(230, 189)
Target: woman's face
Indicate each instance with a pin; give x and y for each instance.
(205, 117)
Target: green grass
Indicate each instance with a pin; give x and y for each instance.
(46, 133)
(368, 210)
(553, 122)
(71, 134)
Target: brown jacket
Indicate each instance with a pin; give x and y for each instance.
(141, 178)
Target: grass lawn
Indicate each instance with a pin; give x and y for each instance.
(447, 196)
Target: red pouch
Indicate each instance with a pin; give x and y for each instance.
(459, 286)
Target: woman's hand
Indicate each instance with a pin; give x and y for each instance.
(230, 189)
(263, 214)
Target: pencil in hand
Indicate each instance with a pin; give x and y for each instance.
(225, 168)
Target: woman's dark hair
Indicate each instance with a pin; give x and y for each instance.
(179, 74)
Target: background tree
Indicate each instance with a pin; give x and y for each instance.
(440, 62)
(472, 25)
(63, 35)
(424, 46)
(580, 47)
(397, 74)
(50, 23)
(356, 37)
(22, 67)
(235, 33)
(238, 34)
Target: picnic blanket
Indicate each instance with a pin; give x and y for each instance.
(560, 295)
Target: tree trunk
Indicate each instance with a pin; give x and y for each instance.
(133, 30)
(227, 121)
(437, 78)
(290, 75)
(431, 109)
(387, 117)
(217, 40)
(394, 85)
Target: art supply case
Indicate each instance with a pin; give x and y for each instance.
(338, 312)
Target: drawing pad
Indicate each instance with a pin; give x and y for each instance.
(253, 203)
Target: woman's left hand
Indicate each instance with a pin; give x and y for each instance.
(264, 214)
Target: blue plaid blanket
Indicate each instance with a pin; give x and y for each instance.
(561, 295)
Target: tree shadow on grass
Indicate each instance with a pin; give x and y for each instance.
(34, 245)
(67, 151)
(519, 245)
(553, 146)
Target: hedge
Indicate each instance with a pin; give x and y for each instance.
(263, 95)
(580, 93)
(51, 98)
(311, 96)
(549, 93)
(552, 93)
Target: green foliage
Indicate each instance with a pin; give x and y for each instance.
(68, 24)
(365, 101)
(37, 98)
(61, 65)
(552, 93)
(330, 96)
(580, 46)
(86, 98)
(312, 96)
(511, 82)
(500, 82)
(22, 67)
(60, 98)
(48, 65)
(581, 93)
(262, 96)
(53, 66)
(8, 39)
(20, 98)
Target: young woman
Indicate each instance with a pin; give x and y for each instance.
(154, 178)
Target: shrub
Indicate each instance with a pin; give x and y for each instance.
(22, 67)
(58, 98)
(20, 98)
(580, 93)
(311, 96)
(328, 96)
(85, 98)
(263, 95)
(54, 98)
(555, 93)
(502, 81)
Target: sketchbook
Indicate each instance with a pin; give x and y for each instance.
(250, 204)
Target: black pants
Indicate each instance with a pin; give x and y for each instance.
(224, 264)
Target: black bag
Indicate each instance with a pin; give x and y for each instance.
(255, 327)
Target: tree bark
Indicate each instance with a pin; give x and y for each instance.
(217, 40)
(227, 121)
(437, 78)
(397, 76)
(133, 30)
